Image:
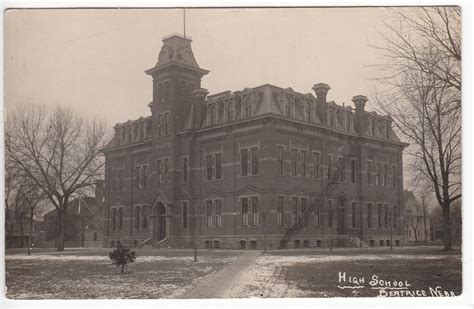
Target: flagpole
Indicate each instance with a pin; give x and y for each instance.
(184, 22)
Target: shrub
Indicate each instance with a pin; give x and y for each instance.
(122, 256)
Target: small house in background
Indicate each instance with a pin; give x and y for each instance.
(83, 222)
(417, 219)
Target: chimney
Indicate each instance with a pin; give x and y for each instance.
(359, 102)
(99, 192)
(321, 91)
(199, 96)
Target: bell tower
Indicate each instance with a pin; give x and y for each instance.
(175, 76)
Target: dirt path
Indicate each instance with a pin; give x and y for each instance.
(216, 285)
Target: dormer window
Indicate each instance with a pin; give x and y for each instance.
(308, 112)
(220, 112)
(213, 115)
(248, 109)
(230, 112)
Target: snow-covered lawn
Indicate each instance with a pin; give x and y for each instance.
(46, 276)
(316, 275)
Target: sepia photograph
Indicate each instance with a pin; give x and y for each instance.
(233, 153)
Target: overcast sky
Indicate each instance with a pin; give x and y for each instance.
(94, 60)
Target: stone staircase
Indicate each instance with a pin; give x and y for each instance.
(164, 243)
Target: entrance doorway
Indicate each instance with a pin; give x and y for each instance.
(160, 221)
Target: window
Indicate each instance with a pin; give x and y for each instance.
(218, 213)
(317, 162)
(308, 112)
(317, 212)
(220, 112)
(377, 176)
(252, 166)
(117, 180)
(248, 108)
(329, 166)
(166, 175)
(353, 171)
(144, 175)
(331, 117)
(384, 178)
(354, 215)
(254, 161)
(218, 160)
(160, 171)
(254, 211)
(281, 210)
(303, 163)
(341, 167)
(348, 121)
(385, 216)
(244, 161)
(120, 218)
(114, 219)
(379, 215)
(395, 216)
(372, 126)
(369, 215)
(330, 214)
(159, 125)
(214, 166)
(280, 160)
(394, 176)
(294, 162)
(213, 114)
(184, 163)
(245, 211)
(294, 213)
(209, 212)
(369, 172)
(166, 119)
(145, 217)
(184, 206)
(138, 184)
(141, 176)
(230, 112)
(287, 109)
(137, 217)
(209, 171)
(304, 211)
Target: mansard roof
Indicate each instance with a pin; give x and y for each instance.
(287, 103)
(176, 50)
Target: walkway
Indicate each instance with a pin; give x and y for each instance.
(217, 284)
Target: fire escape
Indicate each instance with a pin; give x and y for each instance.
(335, 179)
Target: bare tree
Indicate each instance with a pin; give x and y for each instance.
(421, 81)
(58, 150)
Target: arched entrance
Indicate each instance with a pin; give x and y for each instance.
(159, 213)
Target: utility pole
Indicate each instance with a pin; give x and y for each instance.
(194, 232)
(391, 230)
(423, 199)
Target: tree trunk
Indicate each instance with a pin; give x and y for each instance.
(447, 237)
(61, 230)
(31, 231)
